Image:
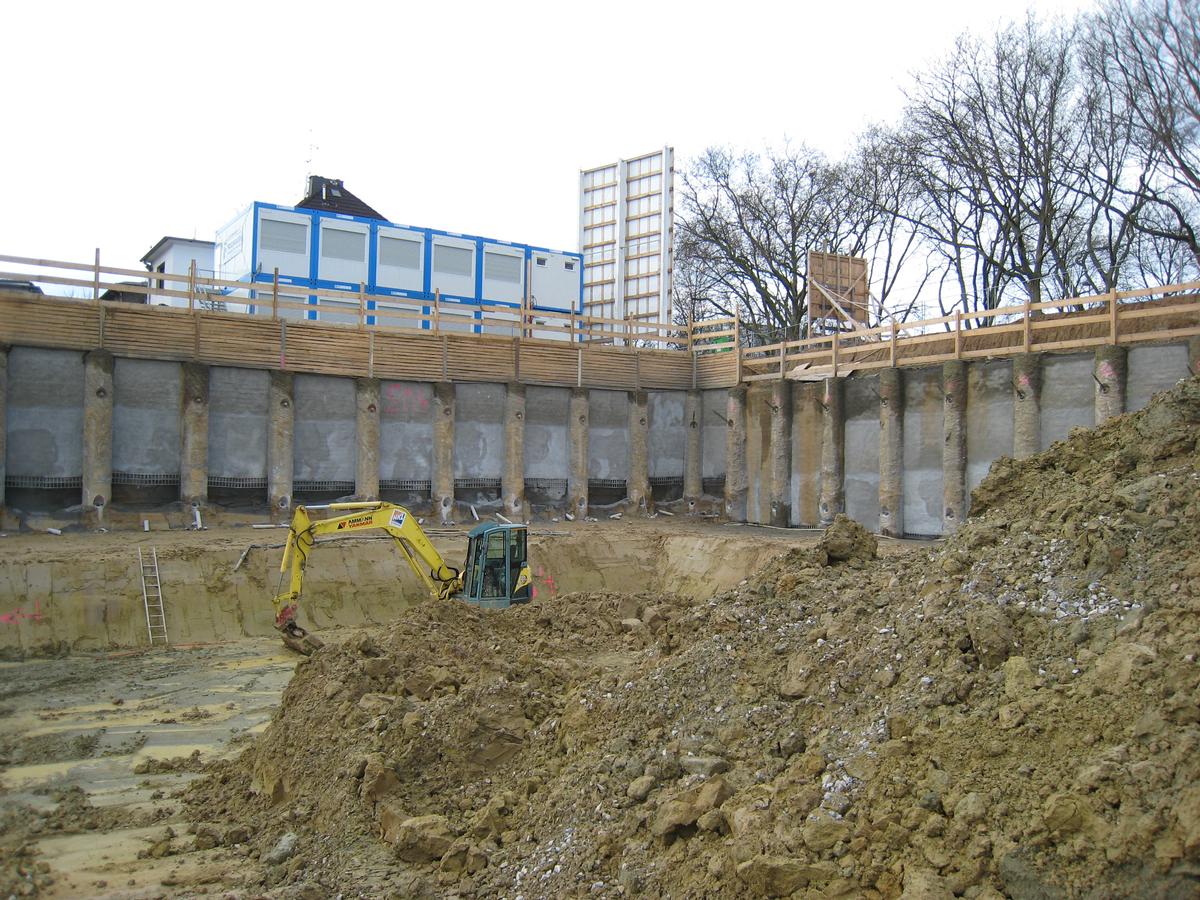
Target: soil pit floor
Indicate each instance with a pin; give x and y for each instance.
(95, 748)
(128, 730)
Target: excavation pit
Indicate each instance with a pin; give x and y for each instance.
(82, 593)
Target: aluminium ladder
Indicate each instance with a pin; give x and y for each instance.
(156, 618)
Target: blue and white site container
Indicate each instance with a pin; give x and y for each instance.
(328, 250)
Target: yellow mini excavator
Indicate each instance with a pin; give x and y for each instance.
(496, 573)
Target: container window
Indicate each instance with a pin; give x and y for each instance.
(453, 260)
(541, 261)
(283, 237)
(399, 252)
(502, 267)
(347, 245)
(569, 265)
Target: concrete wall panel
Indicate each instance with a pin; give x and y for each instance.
(923, 451)
(44, 413)
(1068, 395)
(146, 408)
(238, 421)
(478, 430)
(712, 433)
(405, 431)
(1150, 370)
(547, 453)
(758, 454)
(989, 416)
(608, 435)
(807, 425)
(325, 425)
(862, 450)
(667, 436)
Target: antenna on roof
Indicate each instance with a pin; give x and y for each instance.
(312, 152)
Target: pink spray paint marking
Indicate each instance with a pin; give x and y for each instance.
(19, 615)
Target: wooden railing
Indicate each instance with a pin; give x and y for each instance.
(431, 340)
(276, 299)
(1157, 314)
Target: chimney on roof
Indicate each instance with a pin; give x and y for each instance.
(330, 194)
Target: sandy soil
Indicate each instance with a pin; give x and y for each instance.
(95, 747)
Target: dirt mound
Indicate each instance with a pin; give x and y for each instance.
(1012, 713)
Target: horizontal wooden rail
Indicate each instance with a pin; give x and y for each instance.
(559, 347)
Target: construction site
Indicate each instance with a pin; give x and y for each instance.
(362, 559)
(910, 611)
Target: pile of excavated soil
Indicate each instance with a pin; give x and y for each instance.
(1013, 713)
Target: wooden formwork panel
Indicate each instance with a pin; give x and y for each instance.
(610, 367)
(664, 370)
(34, 321)
(481, 359)
(326, 350)
(550, 364)
(149, 333)
(233, 340)
(716, 370)
(406, 358)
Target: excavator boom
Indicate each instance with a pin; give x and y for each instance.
(440, 579)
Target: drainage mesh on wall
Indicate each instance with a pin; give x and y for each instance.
(44, 482)
(146, 479)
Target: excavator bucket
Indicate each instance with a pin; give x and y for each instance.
(299, 640)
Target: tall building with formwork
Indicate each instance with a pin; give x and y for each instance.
(626, 231)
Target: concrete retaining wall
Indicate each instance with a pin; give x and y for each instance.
(794, 446)
(145, 424)
(806, 454)
(44, 413)
(989, 417)
(1068, 395)
(862, 450)
(238, 421)
(324, 429)
(923, 451)
(405, 431)
(667, 437)
(478, 430)
(712, 433)
(758, 454)
(608, 435)
(1153, 369)
(547, 451)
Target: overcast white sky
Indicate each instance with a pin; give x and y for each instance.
(128, 121)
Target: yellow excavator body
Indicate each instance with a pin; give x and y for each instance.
(507, 569)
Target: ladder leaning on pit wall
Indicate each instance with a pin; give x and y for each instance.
(156, 618)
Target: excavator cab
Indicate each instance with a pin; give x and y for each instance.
(497, 569)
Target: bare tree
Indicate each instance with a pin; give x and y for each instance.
(993, 136)
(1151, 50)
(745, 226)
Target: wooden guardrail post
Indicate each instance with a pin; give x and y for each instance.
(957, 334)
(1114, 334)
(437, 310)
(1028, 330)
(362, 305)
(194, 307)
(275, 295)
(96, 277)
(834, 352)
(893, 348)
(737, 345)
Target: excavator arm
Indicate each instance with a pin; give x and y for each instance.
(441, 580)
